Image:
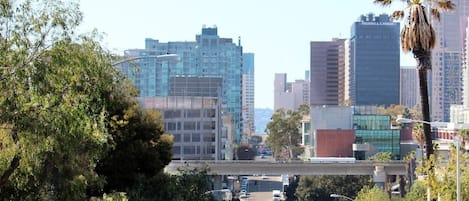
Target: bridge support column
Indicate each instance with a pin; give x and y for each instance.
(379, 176)
(216, 182)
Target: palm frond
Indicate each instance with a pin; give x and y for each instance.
(383, 2)
(418, 32)
(398, 15)
(446, 5)
(436, 13)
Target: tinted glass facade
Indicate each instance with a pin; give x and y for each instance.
(374, 61)
(376, 130)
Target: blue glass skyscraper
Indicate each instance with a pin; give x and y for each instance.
(374, 61)
(208, 56)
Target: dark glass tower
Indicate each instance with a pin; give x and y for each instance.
(374, 61)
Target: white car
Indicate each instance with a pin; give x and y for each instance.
(243, 195)
(276, 195)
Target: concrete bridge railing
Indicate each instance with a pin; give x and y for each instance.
(292, 168)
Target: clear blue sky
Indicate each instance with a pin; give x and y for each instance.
(278, 32)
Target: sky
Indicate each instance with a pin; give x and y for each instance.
(278, 32)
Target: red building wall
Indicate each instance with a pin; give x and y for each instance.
(406, 134)
(335, 143)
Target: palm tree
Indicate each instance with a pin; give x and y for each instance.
(418, 36)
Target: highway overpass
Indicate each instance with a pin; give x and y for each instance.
(250, 167)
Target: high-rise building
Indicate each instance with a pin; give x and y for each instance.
(409, 89)
(194, 122)
(447, 59)
(208, 56)
(374, 61)
(327, 68)
(248, 93)
(290, 95)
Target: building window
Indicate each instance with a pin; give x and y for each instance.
(195, 137)
(177, 138)
(187, 137)
(189, 125)
(171, 126)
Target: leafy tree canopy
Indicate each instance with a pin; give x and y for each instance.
(284, 134)
(372, 194)
(320, 187)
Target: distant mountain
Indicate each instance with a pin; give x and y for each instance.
(261, 118)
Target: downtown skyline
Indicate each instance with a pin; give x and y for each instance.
(277, 32)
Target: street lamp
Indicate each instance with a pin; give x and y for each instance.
(164, 57)
(340, 196)
(408, 121)
(456, 139)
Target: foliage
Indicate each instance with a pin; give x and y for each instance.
(304, 109)
(441, 178)
(320, 187)
(291, 189)
(382, 157)
(117, 196)
(372, 194)
(444, 182)
(418, 135)
(464, 132)
(137, 137)
(284, 135)
(58, 111)
(188, 185)
(418, 192)
(393, 110)
(26, 30)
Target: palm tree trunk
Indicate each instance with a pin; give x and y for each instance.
(423, 65)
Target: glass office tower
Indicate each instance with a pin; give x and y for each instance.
(376, 131)
(374, 61)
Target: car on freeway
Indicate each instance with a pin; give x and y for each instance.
(243, 195)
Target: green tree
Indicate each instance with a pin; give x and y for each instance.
(394, 111)
(291, 189)
(382, 157)
(320, 187)
(418, 135)
(304, 109)
(193, 184)
(137, 137)
(58, 116)
(55, 92)
(284, 134)
(372, 194)
(26, 32)
(443, 181)
(418, 192)
(418, 36)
